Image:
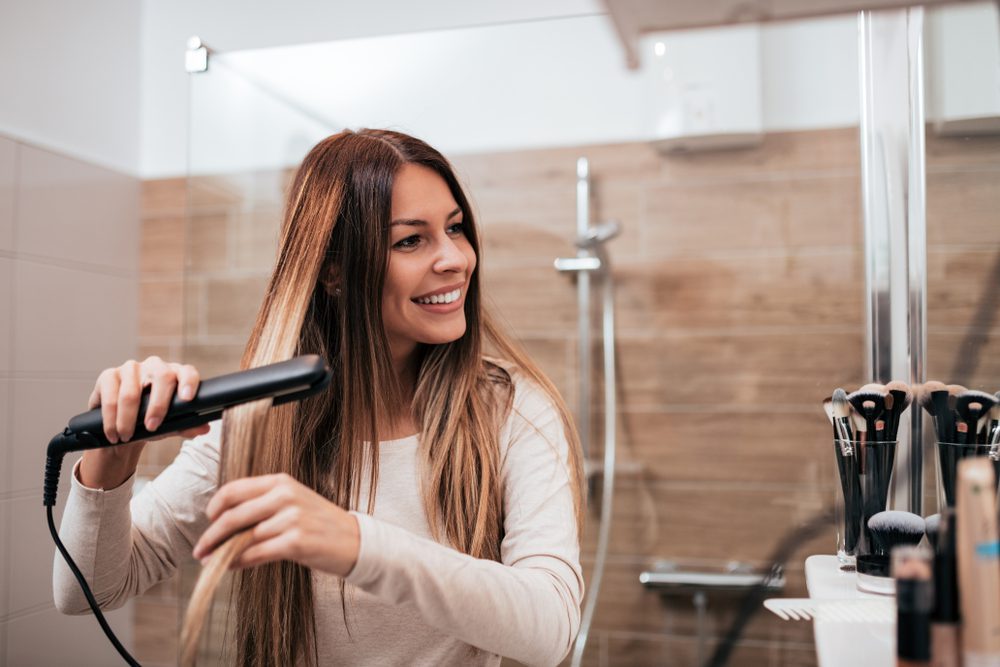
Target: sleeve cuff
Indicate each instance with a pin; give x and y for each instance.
(366, 569)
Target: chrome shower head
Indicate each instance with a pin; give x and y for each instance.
(598, 234)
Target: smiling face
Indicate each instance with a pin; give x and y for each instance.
(430, 263)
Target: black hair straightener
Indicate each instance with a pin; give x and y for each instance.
(284, 382)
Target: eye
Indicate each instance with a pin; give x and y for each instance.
(408, 243)
(457, 228)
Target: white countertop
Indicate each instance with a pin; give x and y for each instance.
(844, 643)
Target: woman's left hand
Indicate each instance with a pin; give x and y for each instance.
(288, 521)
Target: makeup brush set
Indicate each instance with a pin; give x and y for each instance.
(865, 426)
(966, 424)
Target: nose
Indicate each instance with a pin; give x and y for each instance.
(451, 258)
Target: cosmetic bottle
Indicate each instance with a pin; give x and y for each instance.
(945, 618)
(911, 568)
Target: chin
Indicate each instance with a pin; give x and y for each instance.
(441, 337)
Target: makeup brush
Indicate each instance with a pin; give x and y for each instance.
(901, 396)
(842, 416)
(954, 391)
(971, 406)
(887, 529)
(893, 528)
(847, 465)
(934, 399)
(869, 404)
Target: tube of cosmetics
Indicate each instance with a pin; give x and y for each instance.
(978, 552)
(911, 567)
(946, 650)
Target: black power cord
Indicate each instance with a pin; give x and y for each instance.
(53, 466)
(754, 598)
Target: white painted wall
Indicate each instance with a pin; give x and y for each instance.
(69, 77)
(232, 25)
(503, 87)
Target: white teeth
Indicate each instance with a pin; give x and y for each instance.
(448, 297)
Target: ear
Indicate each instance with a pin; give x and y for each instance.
(329, 278)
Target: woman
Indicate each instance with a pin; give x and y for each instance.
(468, 548)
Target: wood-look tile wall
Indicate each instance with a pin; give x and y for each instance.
(739, 303)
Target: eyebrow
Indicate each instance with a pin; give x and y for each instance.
(416, 222)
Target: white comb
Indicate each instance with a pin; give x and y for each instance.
(842, 611)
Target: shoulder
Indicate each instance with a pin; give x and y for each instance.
(526, 395)
(531, 414)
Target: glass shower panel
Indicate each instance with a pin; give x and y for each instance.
(963, 200)
(740, 275)
(244, 142)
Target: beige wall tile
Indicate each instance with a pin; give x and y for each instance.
(41, 409)
(163, 245)
(70, 321)
(783, 214)
(48, 638)
(7, 308)
(208, 235)
(162, 308)
(961, 287)
(232, 305)
(969, 358)
(156, 631)
(628, 606)
(642, 651)
(254, 238)
(532, 300)
(6, 437)
(8, 184)
(31, 550)
(762, 368)
(72, 210)
(796, 289)
(5, 510)
(959, 153)
(709, 521)
(773, 445)
(165, 197)
(962, 207)
(212, 360)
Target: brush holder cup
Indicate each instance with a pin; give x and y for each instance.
(948, 456)
(864, 471)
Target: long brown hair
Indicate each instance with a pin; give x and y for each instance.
(338, 214)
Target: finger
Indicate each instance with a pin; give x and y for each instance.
(276, 524)
(129, 393)
(188, 380)
(281, 547)
(109, 383)
(94, 399)
(163, 381)
(238, 518)
(242, 490)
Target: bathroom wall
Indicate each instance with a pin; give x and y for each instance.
(68, 267)
(739, 308)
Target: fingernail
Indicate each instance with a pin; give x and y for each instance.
(152, 423)
(186, 393)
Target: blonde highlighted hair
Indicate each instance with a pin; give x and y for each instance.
(337, 214)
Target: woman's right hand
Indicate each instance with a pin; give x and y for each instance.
(117, 393)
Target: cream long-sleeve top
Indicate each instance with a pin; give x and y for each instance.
(411, 600)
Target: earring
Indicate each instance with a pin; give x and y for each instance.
(336, 292)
